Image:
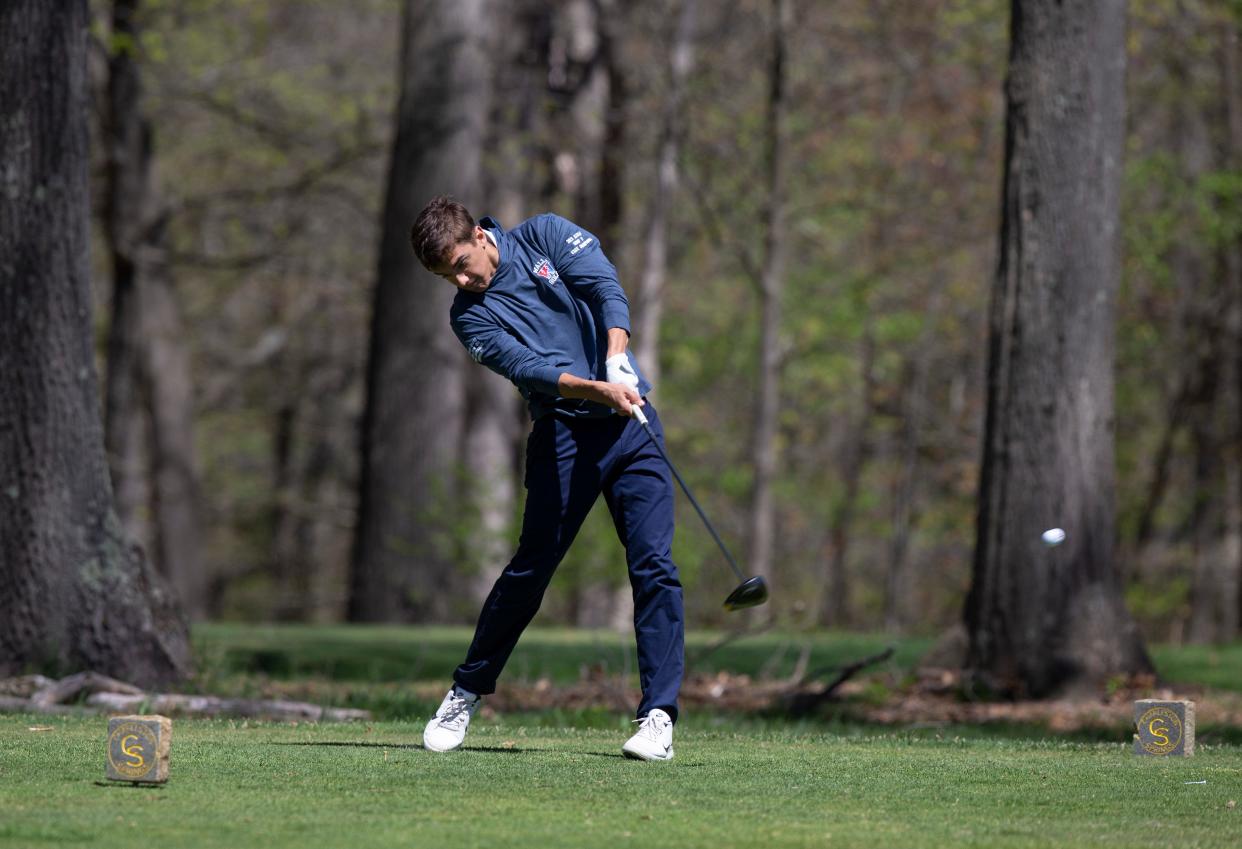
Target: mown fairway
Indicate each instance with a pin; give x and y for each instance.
(236, 785)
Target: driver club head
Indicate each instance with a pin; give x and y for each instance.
(750, 593)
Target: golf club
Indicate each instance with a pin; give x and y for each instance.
(752, 592)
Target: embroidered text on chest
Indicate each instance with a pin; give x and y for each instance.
(544, 269)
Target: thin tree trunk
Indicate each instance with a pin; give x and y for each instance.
(1206, 297)
(494, 418)
(1044, 620)
(74, 592)
(1231, 366)
(771, 288)
(896, 599)
(1205, 580)
(148, 402)
(655, 242)
(176, 494)
(491, 474)
(834, 608)
(414, 419)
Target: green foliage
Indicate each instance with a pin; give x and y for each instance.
(271, 147)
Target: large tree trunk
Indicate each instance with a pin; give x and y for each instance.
(76, 594)
(1042, 620)
(148, 402)
(771, 289)
(414, 419)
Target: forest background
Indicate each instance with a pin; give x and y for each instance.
(271, 128)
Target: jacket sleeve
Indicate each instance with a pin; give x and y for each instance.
(583, 267)
(493, 346)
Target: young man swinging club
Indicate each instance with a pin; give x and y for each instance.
(540, 305)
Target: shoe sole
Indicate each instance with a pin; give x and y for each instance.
(434, 749)
(643, 756)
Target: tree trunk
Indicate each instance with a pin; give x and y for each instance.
(76, 593)
(650, 299)
(414, 419)
(582, 80)
(148, 402)
(771, 287)
(1042, 620)
(1231, 261)
(491, 441)
(834, 605)
(494, 434)
(905, 485)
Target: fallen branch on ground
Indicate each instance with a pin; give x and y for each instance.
(37, 694)
(805, 701)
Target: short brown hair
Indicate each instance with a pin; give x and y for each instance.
(443, 223)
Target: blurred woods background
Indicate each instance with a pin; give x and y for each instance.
(802, 199)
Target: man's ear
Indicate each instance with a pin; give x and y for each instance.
(479, 235)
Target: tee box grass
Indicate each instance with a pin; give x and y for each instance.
(557, 779)
(238, 784)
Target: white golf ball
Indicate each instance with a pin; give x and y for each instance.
(1053, 536)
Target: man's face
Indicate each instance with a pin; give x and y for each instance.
(470, 265)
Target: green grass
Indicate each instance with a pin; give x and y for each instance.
(392, 653)
(1216, 667)
(378, 668)
(556, 778)
(238, 785)
(397, 653)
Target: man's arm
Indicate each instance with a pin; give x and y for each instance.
(495, 348)
(585, 269)
(614, 395)
(492, 346)
(618, 340)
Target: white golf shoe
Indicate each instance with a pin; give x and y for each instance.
(654, 739)
(447, 728)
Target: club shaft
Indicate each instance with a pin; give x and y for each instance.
(693, 500)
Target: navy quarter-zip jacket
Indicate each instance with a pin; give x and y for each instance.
(547, 310)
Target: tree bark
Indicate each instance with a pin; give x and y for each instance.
(585, 87)
(905, 485)
(1231, 366)
(650, 299)
(771, 288)
(834, 608)
(489, 459)
(414, 418)
(76, 594)
(1045, 620)
(149, 428)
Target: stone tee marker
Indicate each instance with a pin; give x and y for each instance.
(1164, 728)
(138, 748)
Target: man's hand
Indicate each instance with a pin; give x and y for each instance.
(620, 371)
(618, 396)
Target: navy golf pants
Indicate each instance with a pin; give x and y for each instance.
(569, 462)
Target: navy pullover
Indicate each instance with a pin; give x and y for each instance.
(547, 311)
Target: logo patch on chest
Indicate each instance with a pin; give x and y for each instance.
(544, 269)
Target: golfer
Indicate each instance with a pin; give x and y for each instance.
(540, 305)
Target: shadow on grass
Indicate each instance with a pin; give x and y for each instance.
(356, 745)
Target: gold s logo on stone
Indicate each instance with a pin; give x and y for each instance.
(131, 749)
(1164, 730)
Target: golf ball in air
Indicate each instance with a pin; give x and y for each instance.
(1053, 536)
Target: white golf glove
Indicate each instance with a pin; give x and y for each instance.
(620, 371)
